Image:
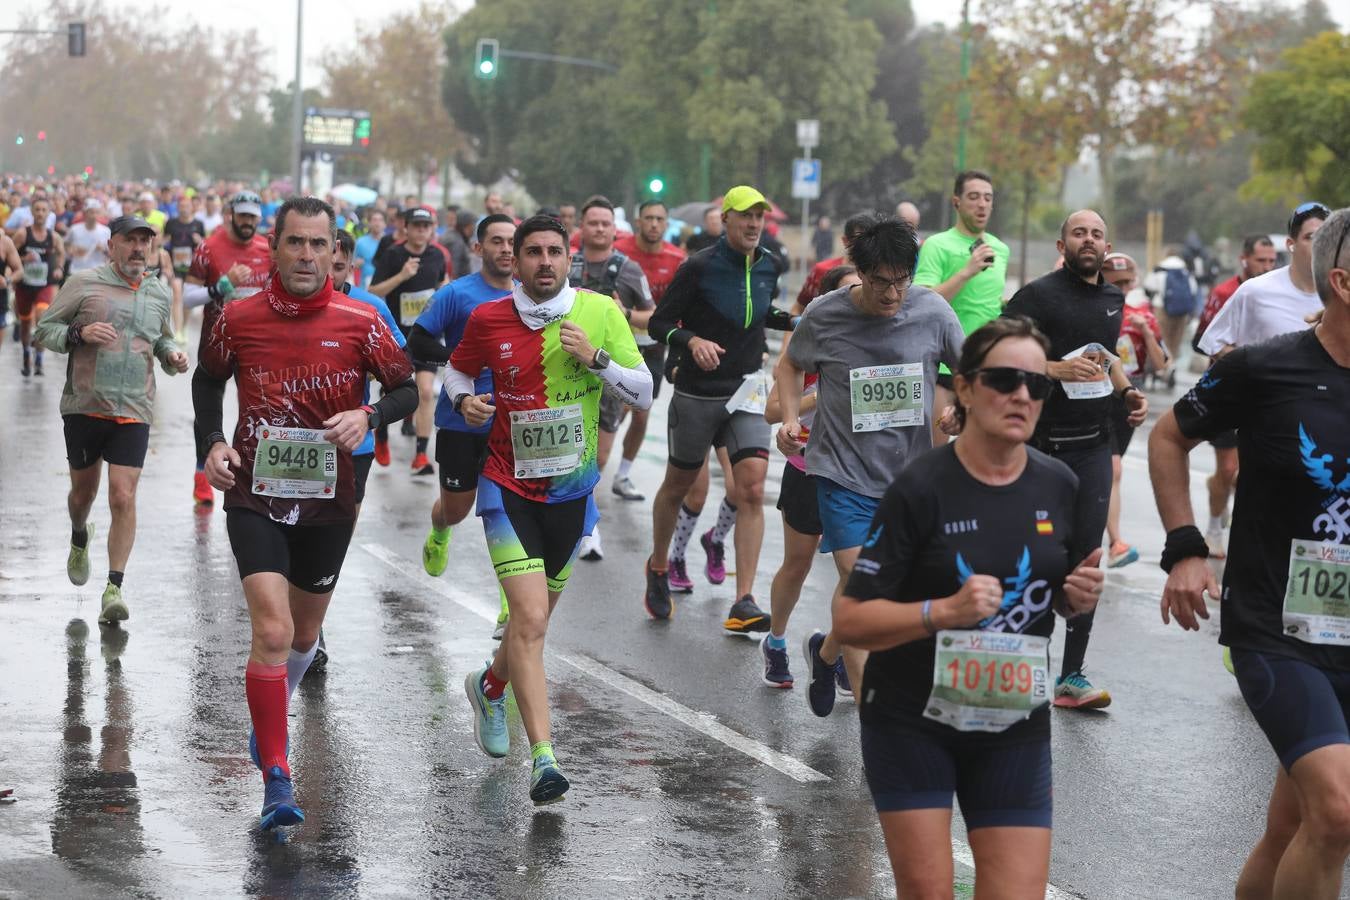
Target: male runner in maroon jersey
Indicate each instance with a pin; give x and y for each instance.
(233, 263)
(299, 353)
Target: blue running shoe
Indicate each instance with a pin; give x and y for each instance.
(253, 748)
(776, 672)
(841, 682)
(548, 784)
(489, 717)
(820, 687)
(279, 807)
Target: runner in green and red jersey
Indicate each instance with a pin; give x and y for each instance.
(550, 349)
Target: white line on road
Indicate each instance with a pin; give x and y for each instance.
(702, 722)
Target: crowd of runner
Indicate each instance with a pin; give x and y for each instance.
(955, 450)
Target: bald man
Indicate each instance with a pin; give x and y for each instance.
(908, 212)
(1079, 311)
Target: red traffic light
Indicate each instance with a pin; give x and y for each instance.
(51, 170)
(42, 135)
(365, 142)
(89, 170)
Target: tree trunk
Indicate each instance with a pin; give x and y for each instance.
(1106, 176)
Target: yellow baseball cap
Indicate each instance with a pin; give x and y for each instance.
(743, 198)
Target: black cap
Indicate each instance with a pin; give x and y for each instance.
(418, 214)
(128, 224)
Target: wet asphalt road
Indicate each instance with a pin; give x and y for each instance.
(126, 748)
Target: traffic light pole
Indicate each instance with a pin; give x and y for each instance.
(297, 107)
(74, 33)
(554, 58)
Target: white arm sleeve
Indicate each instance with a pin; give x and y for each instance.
(634, 384)
(1225, 327)
(456, 382)
(195, 295)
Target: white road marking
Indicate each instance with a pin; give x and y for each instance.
(702, 722)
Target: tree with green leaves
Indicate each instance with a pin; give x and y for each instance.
(1300, 113)
(735, 77)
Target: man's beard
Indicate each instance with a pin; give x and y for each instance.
(1083, 269)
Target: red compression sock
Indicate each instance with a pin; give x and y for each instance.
(493, 687)
(265, 687)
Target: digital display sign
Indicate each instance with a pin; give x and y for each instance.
(337, 130)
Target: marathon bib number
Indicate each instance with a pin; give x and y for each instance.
(752, 396)
(886, 396)
(182, 257)
(35, 273)
(411, 304)
(241, 292)
(1317, 598)
(547, 442)
(1125, 350)
(988, 680)
(1087, 390)
(110, 368)
(295, 463)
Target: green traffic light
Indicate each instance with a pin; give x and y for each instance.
(656, 185)
(486, 66)
(19, 140)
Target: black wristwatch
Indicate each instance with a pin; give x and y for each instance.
(1122, 394)
(372, 416)
(601, 361)
(458, 402)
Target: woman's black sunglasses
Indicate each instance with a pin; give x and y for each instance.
(1006, 380)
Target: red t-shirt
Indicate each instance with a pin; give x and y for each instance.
(217, 255)
(811, 287)
(659, 267)
(297, 372)
(1218, 296)
(1136, 336)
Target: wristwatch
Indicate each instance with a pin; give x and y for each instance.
(601, 361)
(372, 417)
(458, 402)
(1122, 394)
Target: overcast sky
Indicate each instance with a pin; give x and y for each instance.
(330, 24)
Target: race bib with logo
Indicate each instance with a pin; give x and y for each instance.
(988, 680)
(295, 463)
(1317, 597)
(886, 396)
(1087, 390)
(411, 303)
(35, 273)
(547, 442)
(753, 394)
(182, 257)
(1125, 350)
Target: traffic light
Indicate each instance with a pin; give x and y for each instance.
(75, 39)
(363, 131)
(656, 185)
(485, 63)
(51, 170)
(42, 135)
(88, 171)
(18, 140)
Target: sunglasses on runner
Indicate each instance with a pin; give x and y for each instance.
(1006, 380)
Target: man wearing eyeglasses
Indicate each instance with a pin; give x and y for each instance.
(876, 349)
(1079, 311)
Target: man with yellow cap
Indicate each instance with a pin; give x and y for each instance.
(714, 314)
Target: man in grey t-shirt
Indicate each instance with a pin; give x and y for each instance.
(876, 349)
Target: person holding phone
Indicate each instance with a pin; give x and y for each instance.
(968, 266)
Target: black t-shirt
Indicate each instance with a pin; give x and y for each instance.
(1290, 403)
(407, 300)
(178, 241)
(937, 522)
(1072, 314)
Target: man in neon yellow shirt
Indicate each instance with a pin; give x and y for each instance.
(968, 266)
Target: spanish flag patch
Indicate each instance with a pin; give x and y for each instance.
(1043, 523)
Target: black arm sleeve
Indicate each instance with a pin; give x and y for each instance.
(208, 405)
(396, 404)
(778, 319)
(423, 347)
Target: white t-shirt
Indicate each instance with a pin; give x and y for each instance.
(1263, 307)
(209, 222)
(95, 240)
(22, 217)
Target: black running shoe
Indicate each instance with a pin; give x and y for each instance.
(657, 598)
(746, 617)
